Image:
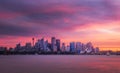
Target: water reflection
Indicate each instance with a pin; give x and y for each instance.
(59, 64)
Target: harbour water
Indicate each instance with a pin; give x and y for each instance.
(59, 64)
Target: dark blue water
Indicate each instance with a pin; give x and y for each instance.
(59, 64)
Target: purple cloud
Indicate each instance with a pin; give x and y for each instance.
(28, 17)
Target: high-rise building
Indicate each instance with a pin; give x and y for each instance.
(38, 45)
(68, 48)
(83, 47)
(50, 46)
(78, 47)
(58, 44)
(63, 47)
(46, 46)
(43, 45)
(53, 44)
(72, 47)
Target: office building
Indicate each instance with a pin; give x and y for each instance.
(63, 47)
(67, 48)
(53, 44)
(58, 44)
(72, 47)
(78, 47)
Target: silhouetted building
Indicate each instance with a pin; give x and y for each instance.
(3, 50)
(55, 47)
(83, 49)
(38, 46)
(63, 47)
(72, 47)
(28, 45)
(68, 48)
(46, 49)
(97, 50)
(58, 44)
(50, 46)
(53, 44)
(42, 44)
(78, 47)
(18, 47)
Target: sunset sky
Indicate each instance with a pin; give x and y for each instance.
(97, 21)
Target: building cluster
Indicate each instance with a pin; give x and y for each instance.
(42, 46)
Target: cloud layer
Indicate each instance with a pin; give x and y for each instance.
(67, 19)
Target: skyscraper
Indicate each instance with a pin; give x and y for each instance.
(38, 45)
(63, 47)
(46, 45)
(53, 44)
(78, 47)
(43, 45)
(83, 47)
(72, 47)
(58, 44)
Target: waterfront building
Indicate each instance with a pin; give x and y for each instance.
(78, 47)
(67, 48)
(72, 47)
(28, 47)
(53, 43)
(89, 47)
(58, 44)
(37, 46)
(63, 47)
(97, 50)
(18, 47)
(83, 47)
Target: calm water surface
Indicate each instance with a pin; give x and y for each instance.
(59, 64)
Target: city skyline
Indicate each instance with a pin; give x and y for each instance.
(95, 21)
(55, 46)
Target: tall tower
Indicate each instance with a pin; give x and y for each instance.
(33, 40)
(53, 43)
(58, 44)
